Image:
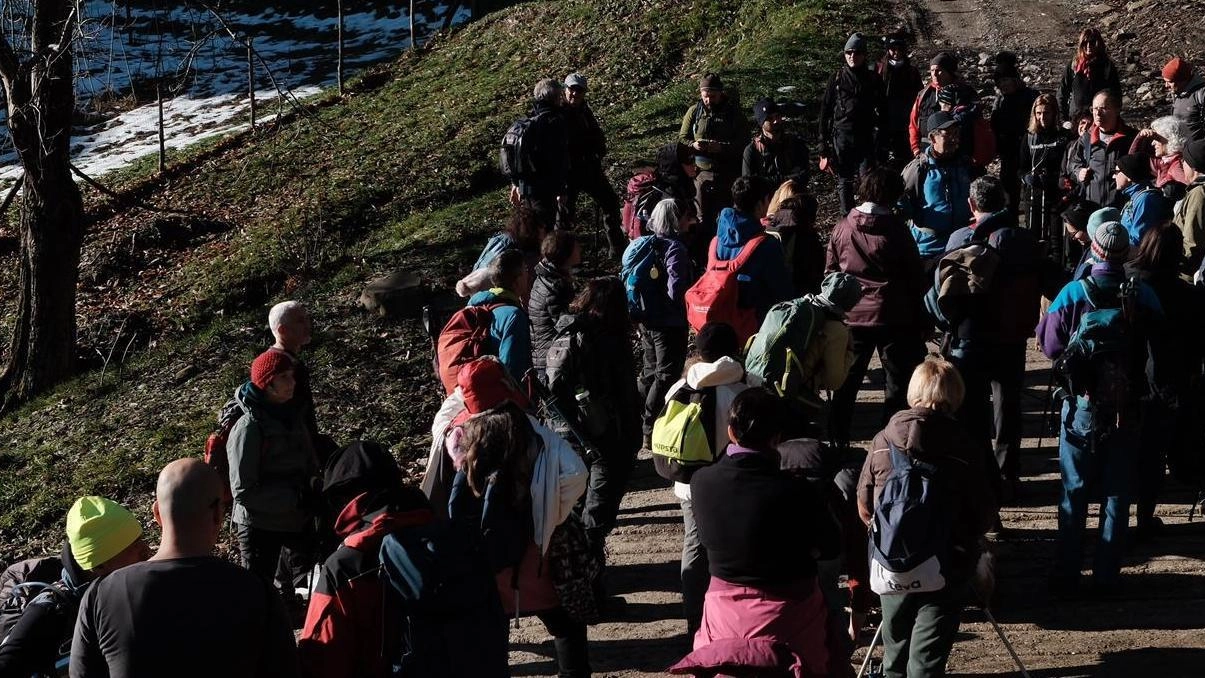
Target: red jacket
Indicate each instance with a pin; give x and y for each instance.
(346, 632)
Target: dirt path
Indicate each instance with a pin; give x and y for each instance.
(1153, 628)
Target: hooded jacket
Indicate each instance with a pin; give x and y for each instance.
(551, 292)
(1082, 81)
(901, 83)
(784, 158)
(347, 631)
(1189, 105)
(929, 436)
(1145, 208)
(728, 378)
(1101, 158)
(271, 463)
(936, 191)
(510, 334)
(878, 250)
(764, 280)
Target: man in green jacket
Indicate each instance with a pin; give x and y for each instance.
(1190, 212)
(716, 130)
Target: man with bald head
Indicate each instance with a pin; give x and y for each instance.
(184, 612)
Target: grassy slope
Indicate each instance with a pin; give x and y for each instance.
(399, 175)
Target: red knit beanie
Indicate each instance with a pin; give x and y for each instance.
(267, 366)
(1177, 70)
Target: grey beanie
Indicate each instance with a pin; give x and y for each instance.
(842, 290)
(1111, 242)
(856, 43)
(1101, 216)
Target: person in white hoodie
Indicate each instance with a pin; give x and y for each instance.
(716, 364)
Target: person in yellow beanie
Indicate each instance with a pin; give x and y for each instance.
(102, 536)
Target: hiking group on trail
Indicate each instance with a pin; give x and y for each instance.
(747, 312)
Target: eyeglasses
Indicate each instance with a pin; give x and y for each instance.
(1101, 109)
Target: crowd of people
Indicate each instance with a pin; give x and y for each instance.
(746, 313)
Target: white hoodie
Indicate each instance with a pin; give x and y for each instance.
(729, 376)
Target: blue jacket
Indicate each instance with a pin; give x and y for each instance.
(670, 310)
(1145, 208)
(511, 332)
(1062, 318)
(764, 280)
(935, 198)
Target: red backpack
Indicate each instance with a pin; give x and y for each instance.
(465, 338)
(215, 444)
(714, 296)
(638, 203)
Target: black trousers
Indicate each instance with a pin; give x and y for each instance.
(569, 639)
(264, 551)
(609, 475)
(594, 183)
(854, 156)
(900, 351)
(713, 192)
(545, 208)
(664, 357)
(994, 375)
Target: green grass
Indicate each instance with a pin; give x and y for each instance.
(399, 174)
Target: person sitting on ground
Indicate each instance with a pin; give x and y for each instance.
(716, 130)
(1103, 144)
(517, 490)
(546, 186)
(587, 148)
(775, 154)
(715, 367)
(901, 83)
(763, 281)
(510, 333)
(272, 472)
(523, 232)
(1098, 442)
(551, 291)
(1088, 74)
(350, 630)
(988, 343)
(1145, 206)
(936, 186)
(1040, 173)
(943, 71)
(102, 537)
(1187, 88)
(853, 117)
(1166, 410)
(1189, 213)
(160, 615)
(1009, 120)
(791, 217)
(662, 319)
(919, 629)
(763, 530)
(873, 244)
(1163, 143)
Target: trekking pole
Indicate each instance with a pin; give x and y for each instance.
(987, 612)
(878, 632)
(1048, 408)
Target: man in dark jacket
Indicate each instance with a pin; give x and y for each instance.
(775, 154)
(1188, 94)
(1103, 144)
(901, 83)
(988, 343)
(943, 70)
(1010, 122)
(587, 148)
(551, 292)
(853, 114)
(716, 130)
(546, 148)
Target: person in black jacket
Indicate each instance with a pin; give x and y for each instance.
(1040, 172)
(551, 292)
(774, 154)
(1089, 73)
(1010, 117)
(546, 147)
(852, 116)
(587, 148)
(1102, 145)
(901, 83)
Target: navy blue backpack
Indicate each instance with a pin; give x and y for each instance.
(910, 530)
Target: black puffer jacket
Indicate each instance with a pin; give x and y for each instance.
(551, 292)
(548, 140)
(587, 143)
(853, 103)
(1080, 85)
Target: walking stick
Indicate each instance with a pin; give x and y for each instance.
(870, 650)
(1048, 409)
(987, 612)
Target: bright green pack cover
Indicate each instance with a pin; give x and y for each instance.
(680, 441)
(776, 352)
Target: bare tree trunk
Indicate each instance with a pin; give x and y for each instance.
(162, 140)
(251, 79)
(339, 63)
(41, 99)
(413, 37)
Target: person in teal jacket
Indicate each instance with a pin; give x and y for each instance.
(1145, 206)
(937, 185)
(511, 331)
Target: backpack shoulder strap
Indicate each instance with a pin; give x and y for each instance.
(899, 460)
(746, 252)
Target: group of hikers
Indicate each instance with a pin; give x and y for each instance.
(756, 329)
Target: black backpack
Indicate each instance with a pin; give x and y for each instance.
(515, 157)
(575, 381)
(20, 583)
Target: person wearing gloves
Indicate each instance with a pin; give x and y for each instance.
(272, 468)
(853, 116)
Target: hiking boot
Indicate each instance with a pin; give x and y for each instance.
(1148, 529)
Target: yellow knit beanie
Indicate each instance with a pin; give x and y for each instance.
(99, 529)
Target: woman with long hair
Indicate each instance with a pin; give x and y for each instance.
(1090, 71)
(791, 217)
(1041, 172)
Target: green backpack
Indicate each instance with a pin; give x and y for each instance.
(776, 352)
(683, 439)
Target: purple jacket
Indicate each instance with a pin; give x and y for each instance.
(1062, 318)
(878, 250)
